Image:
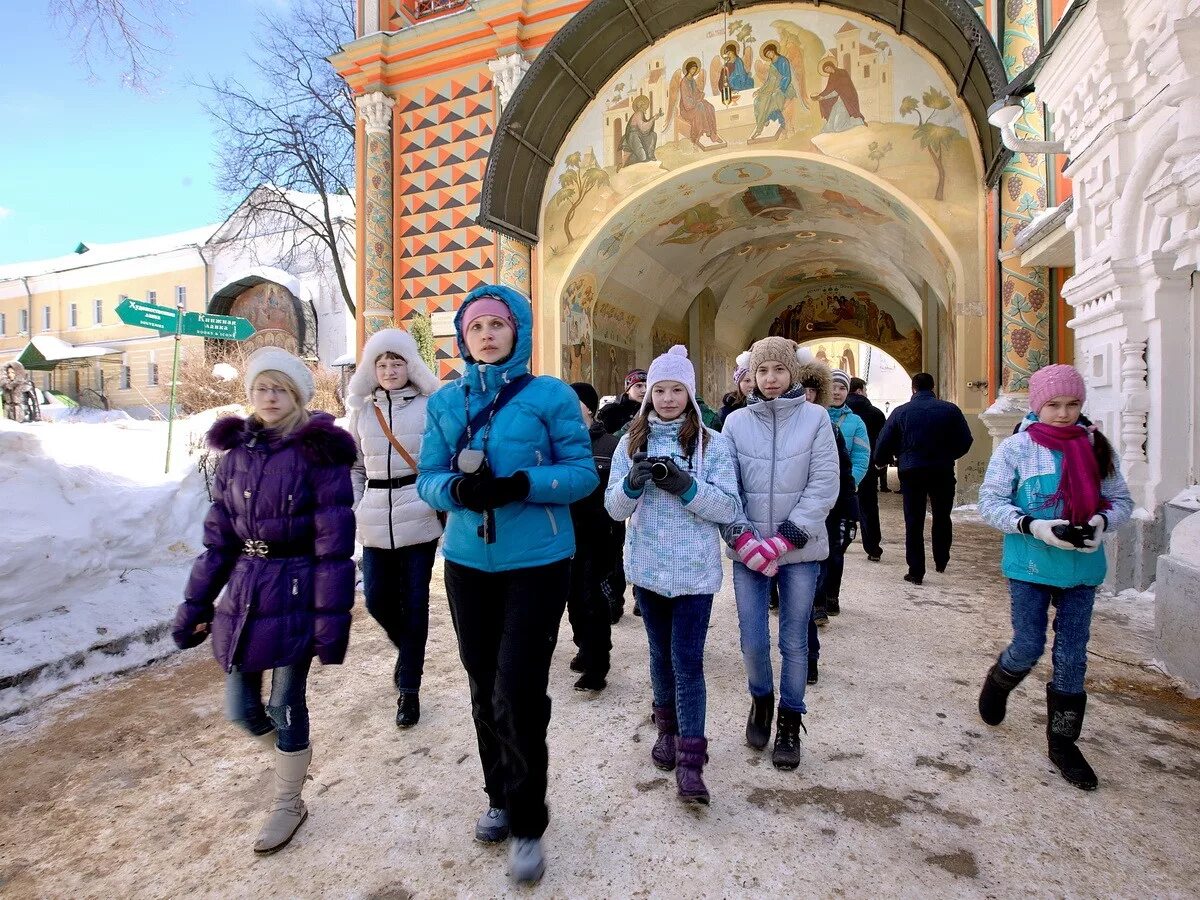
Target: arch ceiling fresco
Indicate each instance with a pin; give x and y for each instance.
(754, 159)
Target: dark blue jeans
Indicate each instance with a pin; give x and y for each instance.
(286, 711)
(676, 628)
(1072, 628)
(396, 585)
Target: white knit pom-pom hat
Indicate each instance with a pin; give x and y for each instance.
(275, 359)
(674, 365)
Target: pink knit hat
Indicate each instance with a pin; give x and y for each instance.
(1055, 381)
(488, 306)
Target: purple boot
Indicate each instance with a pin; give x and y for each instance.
(663, 752)
(689, 776)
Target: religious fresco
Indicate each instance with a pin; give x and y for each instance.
(578, 299)
(794, 79)
(274, 312)
(853, 311)
(610, 366)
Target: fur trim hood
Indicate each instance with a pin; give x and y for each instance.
(321, 441)
(824, 375)
(395, 340)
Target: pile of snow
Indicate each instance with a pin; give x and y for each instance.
(98, 540)
(83, 414)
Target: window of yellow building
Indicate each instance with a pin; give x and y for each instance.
(152, 370)
(126, 373)
(74, 315)
(152, 297)
(23, 321)
(181, 296)
(3, 324)
(45, 318)
(98, 311)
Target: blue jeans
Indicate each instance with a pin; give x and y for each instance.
(797, 584)
(676, 628)
(1072, 627)
(286, 711)
(396, 586)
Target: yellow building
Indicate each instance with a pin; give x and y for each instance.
(64, 309)
(74, 299)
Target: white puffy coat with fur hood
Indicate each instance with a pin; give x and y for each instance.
(390, 517)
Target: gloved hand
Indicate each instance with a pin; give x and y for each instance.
(639, 473)
(510, 489)
(677, 480)
(186, 638)
(1042, 530)
(847, 532)
(775, 547)
(473, 490)
(750, 551)
(1100, 523)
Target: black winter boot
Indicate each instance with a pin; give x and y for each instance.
(689, 775)
(786, 754)
(1063, 725)
(408, 709)
(758, 725)
(833, 605)
(997, 685)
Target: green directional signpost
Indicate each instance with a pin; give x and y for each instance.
(178, 322)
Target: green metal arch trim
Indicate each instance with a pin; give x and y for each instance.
(602, 37)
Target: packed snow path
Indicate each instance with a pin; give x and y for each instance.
(137, 788)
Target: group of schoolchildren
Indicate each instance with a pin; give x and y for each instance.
(525, 486)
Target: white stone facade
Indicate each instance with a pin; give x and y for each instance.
(1123, 84)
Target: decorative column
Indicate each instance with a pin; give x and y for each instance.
(1024, 318)
(507, 72)
(377, 306)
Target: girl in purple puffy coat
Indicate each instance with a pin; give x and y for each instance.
(278, 539)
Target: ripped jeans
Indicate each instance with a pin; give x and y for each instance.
(286, 711)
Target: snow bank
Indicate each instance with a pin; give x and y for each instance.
(97, 545)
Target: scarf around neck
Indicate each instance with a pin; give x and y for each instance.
(1079, 484)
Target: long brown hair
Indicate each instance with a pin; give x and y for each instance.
(692, 431)
(1103, 451)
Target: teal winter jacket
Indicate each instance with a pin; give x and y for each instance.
(1020, 476)
(539, 432)
(854, 433)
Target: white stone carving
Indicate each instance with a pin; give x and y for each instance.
(376, 111)
(507, 72)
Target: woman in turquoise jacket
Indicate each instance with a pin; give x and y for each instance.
(505, 454)
(1055, 490)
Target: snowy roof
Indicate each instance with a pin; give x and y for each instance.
(44, 352)
(97, 254)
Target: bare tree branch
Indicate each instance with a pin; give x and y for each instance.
(293, 133)
(132, 33)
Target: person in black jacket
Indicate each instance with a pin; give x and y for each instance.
(868, 492)
(620, 412)
(926, 436)
(587, 606)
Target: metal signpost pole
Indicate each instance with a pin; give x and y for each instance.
(174, 381)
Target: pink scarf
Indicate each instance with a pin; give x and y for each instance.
(1079, 485)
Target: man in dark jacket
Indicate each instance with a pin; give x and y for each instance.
(926, 436)
(868, 488)
(621, 411)
(587, 606)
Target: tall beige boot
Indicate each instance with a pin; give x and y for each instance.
(288, 811)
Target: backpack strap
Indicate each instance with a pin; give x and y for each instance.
(480, 419)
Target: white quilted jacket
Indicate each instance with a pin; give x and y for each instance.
(788, 469)
(390, 517)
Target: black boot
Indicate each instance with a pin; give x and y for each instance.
(993, 699)
(786, 754)
(813, 674)
(1063, 725)
(408, 709)
(820, 615)
(833, 606)
(758, 725)
(578, 663)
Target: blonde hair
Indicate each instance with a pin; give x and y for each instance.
(293, 420)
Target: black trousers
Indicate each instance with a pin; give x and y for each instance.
(587, 609)
(507, 626)
(933, 488)
(396, 585)
(868, 515)
(882, 477)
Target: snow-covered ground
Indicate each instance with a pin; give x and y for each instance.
(98, 540)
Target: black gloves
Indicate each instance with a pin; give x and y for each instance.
(482, 490)
(676, 481)
(639, 473)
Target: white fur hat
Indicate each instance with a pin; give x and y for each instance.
(276, 359)
(389, 340)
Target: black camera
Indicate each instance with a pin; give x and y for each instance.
(658, 467)
(1075, 535)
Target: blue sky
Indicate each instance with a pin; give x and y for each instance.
(84, 160)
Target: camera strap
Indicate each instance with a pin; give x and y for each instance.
(483, 418)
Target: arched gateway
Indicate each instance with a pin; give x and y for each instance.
(706, 176)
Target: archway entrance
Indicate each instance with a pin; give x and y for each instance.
(787, 167)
